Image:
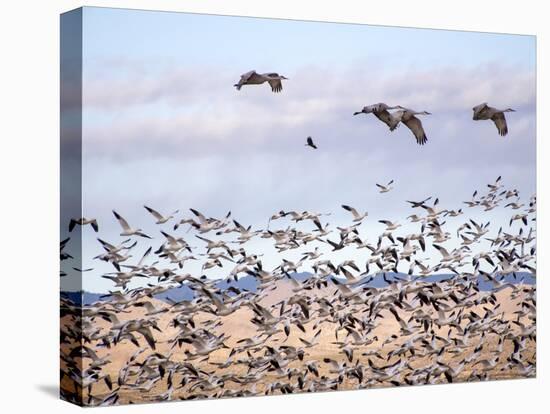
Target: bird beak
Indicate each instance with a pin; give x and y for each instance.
(357, 113)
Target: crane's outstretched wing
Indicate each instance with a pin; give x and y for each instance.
(500, 121)
(414, 124)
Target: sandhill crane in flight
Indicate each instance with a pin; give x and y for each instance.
(407, 116)
(483, 112)
(255, 78)
(310, 143)
(380, 110)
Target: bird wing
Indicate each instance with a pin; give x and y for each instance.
(276, 85)
(216, 301)
(442, 250)
(198, 214)
(239, 226)
(107, 246)
(146, 332)
(414, 124)
(351, 210)
(318, 224)
(333, 363)
(477, 226)
(245, 77)
(149, 306)
(203, 239)
(348, 275)
(429, 209)
(386, 118)
(124, 224)
(155, 213)
(170, 238)
(500, 122)
(63, 243)
(144, 256)
(422, 243)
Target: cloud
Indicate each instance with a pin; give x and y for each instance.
(184, 113)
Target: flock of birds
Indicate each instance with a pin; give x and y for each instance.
(401, 115)
(336, 328)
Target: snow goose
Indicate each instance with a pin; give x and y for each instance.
(82, 222)
(385, 188)
(160, 218)
(126, 229)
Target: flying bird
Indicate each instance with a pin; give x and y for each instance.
(255, 78)
(83, 270)
(380, 110)
(82, 222)
(385, 188)
(416, 204)
(310, 143)
(126, 229)
(160, 218)
(483, 112)
(407, 116)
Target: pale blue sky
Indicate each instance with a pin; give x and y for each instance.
(232, 41)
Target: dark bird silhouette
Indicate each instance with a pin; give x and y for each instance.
(310, 143)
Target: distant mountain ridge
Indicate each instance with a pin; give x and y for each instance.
(249, 283)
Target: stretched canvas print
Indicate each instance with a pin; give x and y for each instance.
(256, 206)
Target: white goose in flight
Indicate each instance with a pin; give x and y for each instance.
(483, 112)
(385, 188)
(160, 218)
(255, 78)
(82, 222)
(407, 116)
(126, 229)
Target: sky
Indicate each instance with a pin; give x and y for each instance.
(162, 124)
